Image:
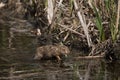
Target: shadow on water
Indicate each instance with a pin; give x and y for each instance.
(16, 62)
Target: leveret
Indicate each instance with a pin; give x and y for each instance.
(50, 51)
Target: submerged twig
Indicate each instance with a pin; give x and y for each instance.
(87, 57)
(87, 74)
(4, 59)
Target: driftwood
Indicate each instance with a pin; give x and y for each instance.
(87, 57)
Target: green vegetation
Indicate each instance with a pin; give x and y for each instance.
(110, 11)
(98, 21)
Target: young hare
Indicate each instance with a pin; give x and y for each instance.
(50, 51)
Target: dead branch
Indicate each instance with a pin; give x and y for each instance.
(87, 57)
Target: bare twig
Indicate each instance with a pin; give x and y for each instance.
(83, 23)
(72, 30)
(118, 16)
(103, 23)
(60, 2)
(50, 11)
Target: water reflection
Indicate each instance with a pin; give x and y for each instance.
(114, 71)
(16, 63)
(3, 36)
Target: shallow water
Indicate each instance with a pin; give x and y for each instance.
(16, 62)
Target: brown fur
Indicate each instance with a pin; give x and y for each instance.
(51, 51)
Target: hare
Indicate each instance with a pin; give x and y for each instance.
(50, 51)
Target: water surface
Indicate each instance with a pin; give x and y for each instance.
(16, 62)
